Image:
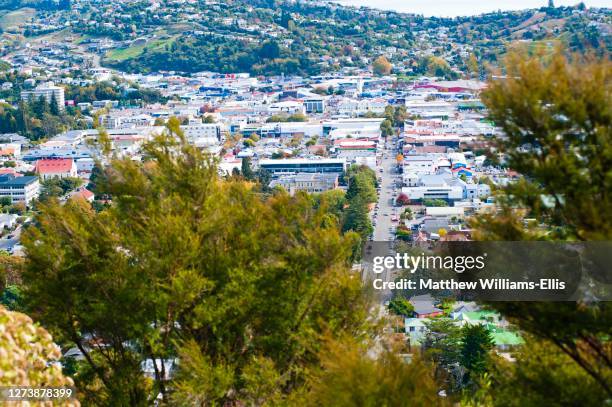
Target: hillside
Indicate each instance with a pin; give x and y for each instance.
(274, 37)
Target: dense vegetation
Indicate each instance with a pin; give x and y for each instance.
(273, 37)
(38, 119)
(239, 287)
(561, 108)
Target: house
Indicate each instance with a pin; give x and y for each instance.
(48, 168)
(424, 306)
(82, 193)
(503, 337)
(415, 330)
(19, 189)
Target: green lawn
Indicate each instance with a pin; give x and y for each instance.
(14, 18)
(122, 54)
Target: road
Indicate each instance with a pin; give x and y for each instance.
(385, 212)
(8, 243)
(384, 229)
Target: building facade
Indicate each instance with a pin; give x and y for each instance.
(311, 183)
(48, 91)
(19, 189)
(303, 165)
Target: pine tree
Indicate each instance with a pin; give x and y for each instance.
(54, 106)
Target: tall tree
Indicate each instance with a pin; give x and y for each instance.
(54, 108)
(246, 170)
(475, 348)
(186, 265)
(556, 115)
(381, 66)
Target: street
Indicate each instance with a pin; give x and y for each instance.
(385, 211)
(9, 243)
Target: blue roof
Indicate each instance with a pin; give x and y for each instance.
(11, 180)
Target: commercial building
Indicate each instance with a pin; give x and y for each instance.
(308, 182)
(298, 165)
(19, 189)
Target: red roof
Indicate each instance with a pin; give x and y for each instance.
(11, 171)
(54, 165)
(83, 193)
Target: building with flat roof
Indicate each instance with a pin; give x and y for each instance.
(19, 189)
(303, 165)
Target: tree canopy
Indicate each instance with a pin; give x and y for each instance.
(186, 266)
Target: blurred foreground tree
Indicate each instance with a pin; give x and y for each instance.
(556, 114)
(186, 267)
(26, 355)
(349, 378)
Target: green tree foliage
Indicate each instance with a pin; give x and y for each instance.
(544, 377)
(110, 90)
(381, 66)
(348, 378)
(361, 192)
(442, 346)
(296, 117)
(362, 183)
(332, 202)
(357, 218)
(399, 116)
(386, 128)
(477, 343)
(186, 265)
(401, 306)
(246, 170)
(37, 119)
(560, 111)
(12, 298)
(556, 115)
(434, 202)
(57, 187)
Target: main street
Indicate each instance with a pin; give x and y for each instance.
(384, 229)
(385, 214)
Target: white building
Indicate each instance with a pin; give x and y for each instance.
(352, 107)
(47, 91)
(19, 189)
(202, 130)
(309, 182)
(436, 186)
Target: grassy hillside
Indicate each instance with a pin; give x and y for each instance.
(9, 19)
